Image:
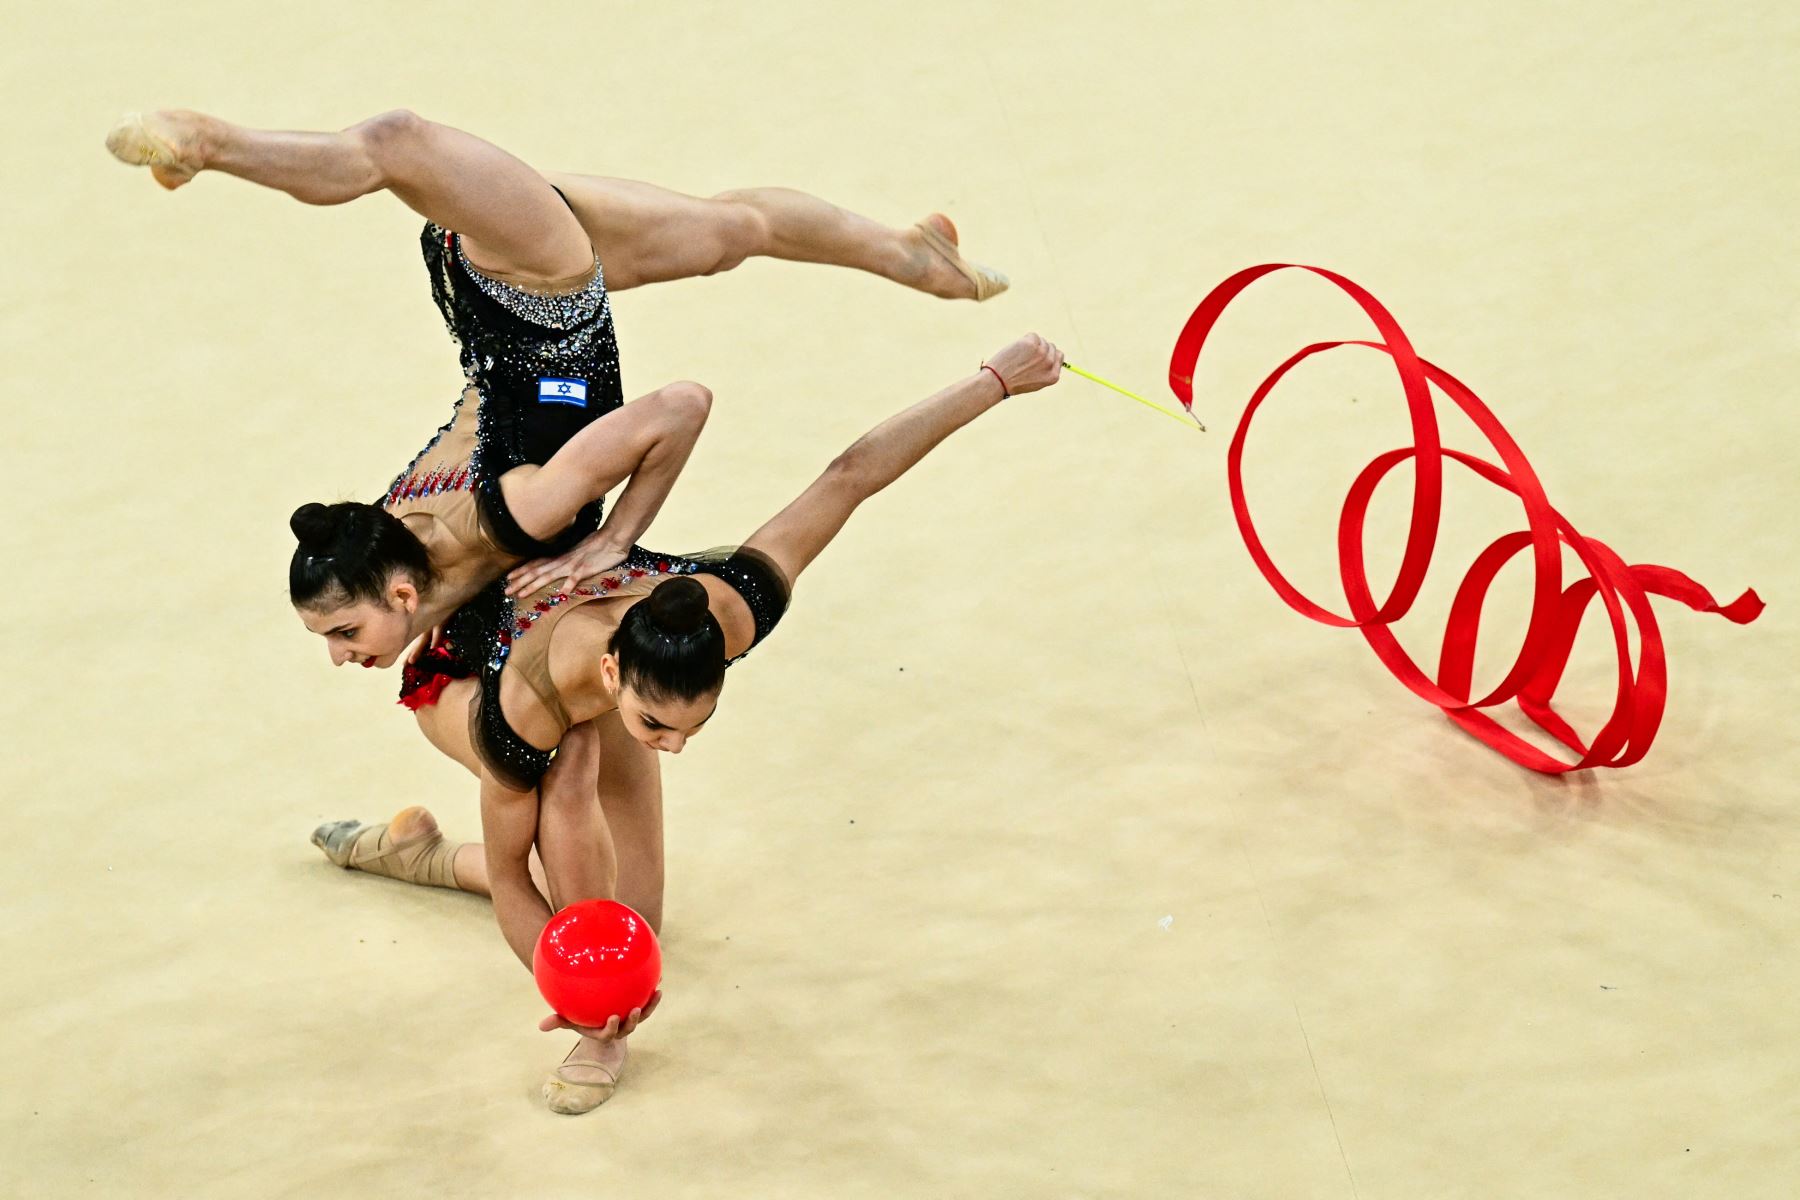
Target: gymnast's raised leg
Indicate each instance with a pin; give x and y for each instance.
(514, 224)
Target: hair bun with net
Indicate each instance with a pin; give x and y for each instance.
(678, 607)
(317, 527)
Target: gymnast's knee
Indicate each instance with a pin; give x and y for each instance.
(688, 401)
(388, 137)
(741, 228)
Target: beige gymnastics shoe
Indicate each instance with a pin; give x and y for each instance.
(582, 1084)
(161, 141)
(940, 234)
(410, 848)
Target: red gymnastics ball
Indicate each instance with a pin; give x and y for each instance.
(595, 960)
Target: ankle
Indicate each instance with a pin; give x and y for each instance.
(909, 258)
(205, 137)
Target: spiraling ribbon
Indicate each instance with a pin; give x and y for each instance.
(1556, 610)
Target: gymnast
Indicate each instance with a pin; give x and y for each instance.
(520, 470)
(610, 672)
(515, 261)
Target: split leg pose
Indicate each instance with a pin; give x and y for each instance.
(515, 259)
(514, 223)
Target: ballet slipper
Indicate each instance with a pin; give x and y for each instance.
(572, 1097)
(425, 858)
(146, 141)
(988, 282)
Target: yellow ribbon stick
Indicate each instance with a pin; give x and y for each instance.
(1107, 383)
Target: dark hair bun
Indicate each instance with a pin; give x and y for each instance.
(316, 527)
(678, 607)
(670, 646)
(348, 552)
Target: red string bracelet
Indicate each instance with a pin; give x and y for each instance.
(1005, 393)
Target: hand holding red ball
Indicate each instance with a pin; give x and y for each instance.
(598, 965)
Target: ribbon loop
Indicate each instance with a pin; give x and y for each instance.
(1556, 611)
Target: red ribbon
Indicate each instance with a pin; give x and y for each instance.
(1556, 610)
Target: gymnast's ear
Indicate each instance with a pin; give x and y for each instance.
(403, 593)
(609, 673)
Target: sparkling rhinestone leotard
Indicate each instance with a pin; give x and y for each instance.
(495, 635)
(437, 501)
(540, 365)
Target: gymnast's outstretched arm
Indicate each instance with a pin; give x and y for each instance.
(804, 528)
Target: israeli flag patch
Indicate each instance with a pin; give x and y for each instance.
(555, 389)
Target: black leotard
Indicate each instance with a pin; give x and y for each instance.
(545, 366)
(482, 634)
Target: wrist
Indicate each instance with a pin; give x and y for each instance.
(610, 539)
(994, 377)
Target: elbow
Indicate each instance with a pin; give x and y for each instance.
(687, 405)
(852, 471)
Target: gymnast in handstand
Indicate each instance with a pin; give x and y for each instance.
(521, 266)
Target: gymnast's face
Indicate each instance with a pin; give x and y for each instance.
(368, 633)
(664, 725)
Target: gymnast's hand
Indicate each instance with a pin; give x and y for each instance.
(1028, 365)
(595, 555)
(431, 641)
(613, 1030)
